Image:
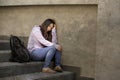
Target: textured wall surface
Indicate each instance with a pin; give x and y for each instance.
(76, 30)
(45, 2)
(82, 39)
(108, 40)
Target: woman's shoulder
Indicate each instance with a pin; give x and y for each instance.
(36, 28)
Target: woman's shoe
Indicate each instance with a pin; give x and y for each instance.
(48, 70)
(58, 69)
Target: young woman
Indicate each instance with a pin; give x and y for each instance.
(42, 45)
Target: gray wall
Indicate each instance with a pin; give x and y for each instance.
(88, 33)
(108, 40)
(45, 2)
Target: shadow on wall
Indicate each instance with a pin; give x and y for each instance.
(77, 71)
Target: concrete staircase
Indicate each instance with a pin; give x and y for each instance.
(25, 71)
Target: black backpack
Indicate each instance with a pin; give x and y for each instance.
(19, 53)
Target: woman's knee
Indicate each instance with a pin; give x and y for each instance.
(52, 48)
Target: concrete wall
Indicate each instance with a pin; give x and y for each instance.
(76, 30)
(45, 2)
(108, 40)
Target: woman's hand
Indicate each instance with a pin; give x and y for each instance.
(59, 48)
(55, 26)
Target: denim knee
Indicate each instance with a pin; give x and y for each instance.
(52, 48)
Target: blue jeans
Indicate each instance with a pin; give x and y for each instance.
(47, 54)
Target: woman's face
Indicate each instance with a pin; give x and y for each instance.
(50, 27)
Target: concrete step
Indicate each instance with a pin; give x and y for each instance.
(24, 71)
(5, 55)
(4, 41)
(5, 45)
(42, 76)
(14, 68)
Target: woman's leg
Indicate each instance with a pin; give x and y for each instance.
(44, 53)
(58, 58)
(58, 61)
(49, 56)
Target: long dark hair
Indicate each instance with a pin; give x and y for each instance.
(43, 28)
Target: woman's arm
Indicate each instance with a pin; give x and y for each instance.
(38, 35)
(55, 39)
(54, 36)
